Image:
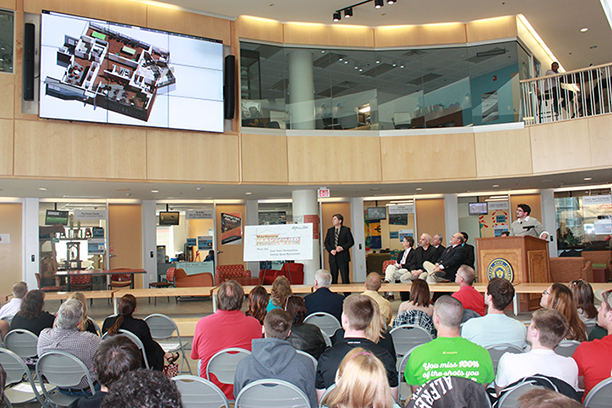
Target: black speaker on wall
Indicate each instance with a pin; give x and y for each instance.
(229, 87)
(29, 45)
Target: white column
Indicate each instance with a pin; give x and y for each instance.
(31, 252)
(451, 216)
(305, 203)
(359, 253)
(301, 90)
(549, 219)
(252, 218)
(149, 242)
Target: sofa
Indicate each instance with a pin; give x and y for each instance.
(293, 271)
(182, 280)
(602, 264)
(224, 272)
(564, 270)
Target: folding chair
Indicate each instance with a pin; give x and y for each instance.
(223, 364)
(509, 399)
(567, 347)
(63, 370)
(455, 391)
(408, 336)
(22, 342)
(314, 360)
(600, 396)
(18, 373)
(271, 394)
(324, 321)
(404, 388)
(196, 392)
(136, 341)
(162, 328)
(498, 350)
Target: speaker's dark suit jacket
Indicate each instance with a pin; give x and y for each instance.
(345, 240)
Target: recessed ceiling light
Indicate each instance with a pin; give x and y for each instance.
(495, 185)
(588, 179)
(155, 191)
(375, 189)
(419, 189)
(42, 188)
(122, 189)
(199, 188)
(248, 193)
(584, 30)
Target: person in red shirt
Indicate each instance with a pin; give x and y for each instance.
(228, 327)
(469, 297)
(594, 358)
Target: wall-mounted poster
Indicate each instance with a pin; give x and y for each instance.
(205, 243)
(231, 228)
(398, 219)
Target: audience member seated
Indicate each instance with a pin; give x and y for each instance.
(559, 297)
(281, 290)
(273, 357)
(124, 320)
(323, 299)
(361, 381)
(377, 332)
(594, 358)
(404, 265)
(545, 398)
(582, 292)
(227, 327)
(31, 315)
(143, 389)
(449, 349)
(65, 336)
(372, 284)
(449, 392)
(496, 327)
(418, 310)
(258, 303)
(547, 328)
(114, 357)
(86, 323)
(11, 308)
(469, 297)
(358, 312)
(304, 336)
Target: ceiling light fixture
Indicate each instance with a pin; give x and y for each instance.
(390, 1)
(42, 188)
(337, 16)
(584, 30)
(348, 12)
(378, 3)
(155, 191)
(588, 179)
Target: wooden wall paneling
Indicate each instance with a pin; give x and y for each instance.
(319, 34)
(338, 158)
(491, 29)
(503, 153)
(430, 217)
(75, 150)
(259, 29)
(6, 147)
(125, 237)
(327, 212)
(7, 102)
(120, 11)
(11, 253)
(178, 21)
(600, 139)
(231, 254)
(264, 158)
(8, 4)
(198, 156)
(560, 146)
(430, 34)
(432, 157)
(532, 200)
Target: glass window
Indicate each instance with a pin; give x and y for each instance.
(7, 28)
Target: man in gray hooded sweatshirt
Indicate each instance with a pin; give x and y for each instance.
(274, 357)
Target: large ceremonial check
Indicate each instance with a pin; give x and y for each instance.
(277, 242)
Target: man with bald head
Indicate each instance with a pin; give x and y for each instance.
(449, 262)
(372, 284)
(449, 354)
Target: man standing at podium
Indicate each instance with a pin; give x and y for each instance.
(526, 225)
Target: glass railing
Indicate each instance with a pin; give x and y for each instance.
(564, 96)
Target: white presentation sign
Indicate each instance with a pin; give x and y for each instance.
(277, 242)
(199, 214)
(89, 215)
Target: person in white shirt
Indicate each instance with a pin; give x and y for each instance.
(495, 327)
(401, 269)
(548, 327)
(526, 225)
(11, 308)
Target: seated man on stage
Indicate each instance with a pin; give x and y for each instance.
(448, 264)
(406, 262)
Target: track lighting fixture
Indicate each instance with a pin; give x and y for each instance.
(378, 3)
(348, 12)
(337, 16)
(390, 1)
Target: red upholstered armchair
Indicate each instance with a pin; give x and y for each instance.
(223, 272)
(293, 271)
(385, 265)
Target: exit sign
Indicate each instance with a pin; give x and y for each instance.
(323, 192)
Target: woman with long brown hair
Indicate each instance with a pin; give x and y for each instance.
(584, 299)
(559, 297)
(31, 315)
(258, 303)
(125, 321)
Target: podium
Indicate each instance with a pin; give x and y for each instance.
(520, 259)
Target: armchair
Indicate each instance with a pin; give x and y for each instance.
(223, 272)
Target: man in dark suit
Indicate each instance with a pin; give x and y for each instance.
(469, 251)
(438, 248)
(448, 264)
(323, 299)
(337, 242)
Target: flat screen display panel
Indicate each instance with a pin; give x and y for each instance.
(98, 71)
(169, 218)
(53, 217)
(377, 213)
(478, 208)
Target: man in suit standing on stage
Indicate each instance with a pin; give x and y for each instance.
(337, 242)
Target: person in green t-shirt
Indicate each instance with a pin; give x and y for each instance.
(449, 354)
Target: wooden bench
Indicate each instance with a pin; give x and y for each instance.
(89, 294)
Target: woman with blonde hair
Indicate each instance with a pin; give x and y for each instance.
(86, 323)
(361, 381)
(560, 298)
(281, 290)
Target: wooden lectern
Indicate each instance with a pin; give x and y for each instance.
(526, 255)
